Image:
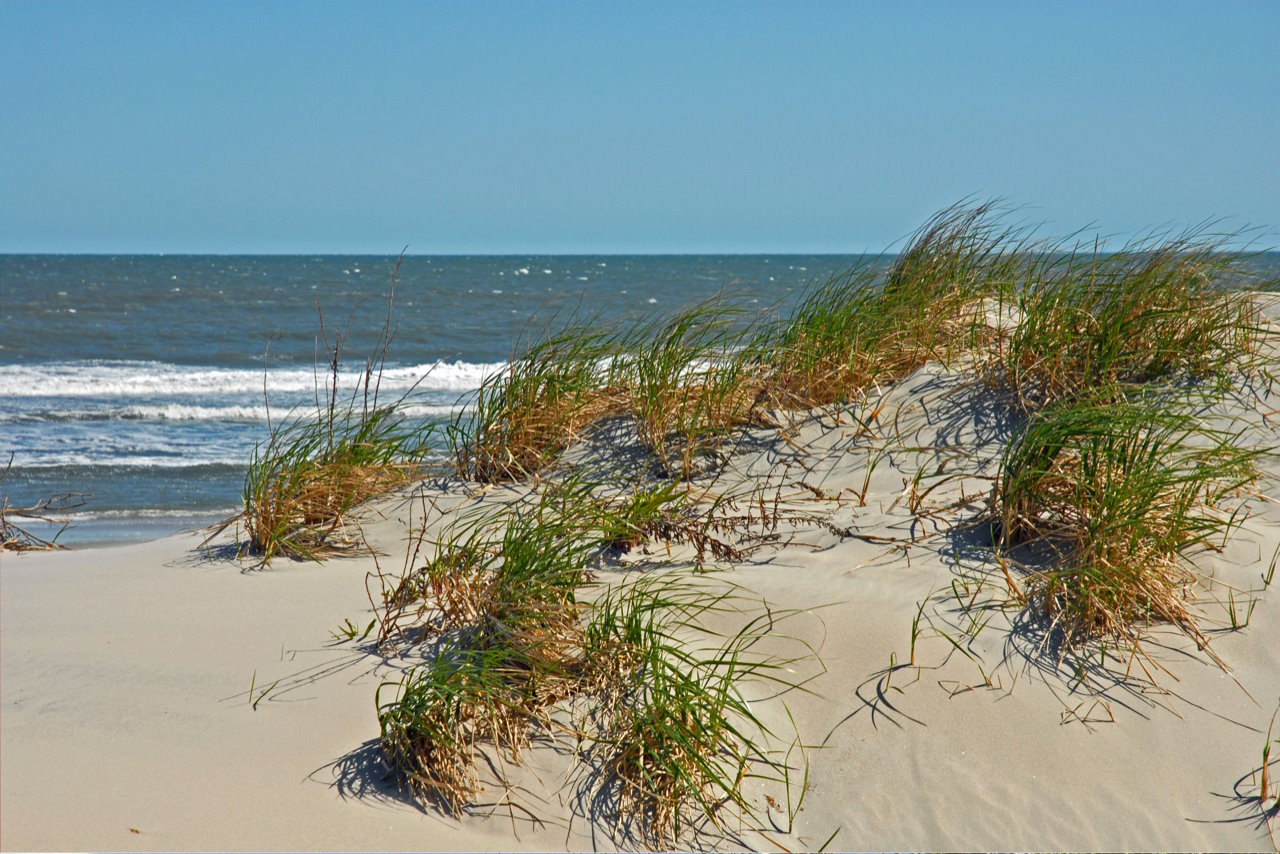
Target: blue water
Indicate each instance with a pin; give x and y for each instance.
(139, 380)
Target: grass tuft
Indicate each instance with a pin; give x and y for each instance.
(313, 470)
(863, 329)
(522, 626)
(1168, 311)
(305, 480)
(676, 736)
(690, 383)
(523, 417)
(1113, 496)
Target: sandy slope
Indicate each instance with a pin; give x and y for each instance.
(125, 705)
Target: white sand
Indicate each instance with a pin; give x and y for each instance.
(124, 695)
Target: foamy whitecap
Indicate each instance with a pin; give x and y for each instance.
(149, 513)
(139, 461)
(158, 379)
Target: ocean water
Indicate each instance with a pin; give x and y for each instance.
(144, 382)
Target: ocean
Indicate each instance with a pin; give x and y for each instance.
(143, 382)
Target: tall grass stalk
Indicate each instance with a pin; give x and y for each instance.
(675, 736)
(509, 596)
(304, 481)
(864, 328)
(689, 383)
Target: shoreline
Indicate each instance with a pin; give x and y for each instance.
(82, 535)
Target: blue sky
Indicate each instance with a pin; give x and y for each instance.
(623, 126)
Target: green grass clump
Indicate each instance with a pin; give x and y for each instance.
(1114, 495)
(1155, 311)
(1114, 358)
(504, 596)
(443, 711)
(521, 629)
(863, 328)
(305, 480)
(523, 417)
(689, 384)
(674, 735)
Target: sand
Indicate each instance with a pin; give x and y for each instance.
(127, 722)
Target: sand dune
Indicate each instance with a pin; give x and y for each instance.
(128, 720)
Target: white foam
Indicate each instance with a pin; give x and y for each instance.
(141, 461)
(149, 513)
(159, 379)
(160, 412)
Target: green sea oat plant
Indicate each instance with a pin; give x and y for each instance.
(1115, 496)
(314, 469)
(524, 416)
(1167, 310)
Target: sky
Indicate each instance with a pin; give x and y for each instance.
(624, 127)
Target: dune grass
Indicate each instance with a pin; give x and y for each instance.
(523, 417)
(689, 383)
(501, 592)
(1112, 476)
(522, 625)
(315, 467)
(1158, 310)
(674, 735)
(535, 628)
(1116, 495)
(305, 480)
(444, 711)
(865, 328)
(1115, 480)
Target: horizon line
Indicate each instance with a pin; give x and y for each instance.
(610, 254)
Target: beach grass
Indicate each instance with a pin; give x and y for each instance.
(690, 380)
(1114, 496)
(1116, 361)
(315, 467)
(866, 328)
(443, 711)
(689, 384)
(524, 416)
(1118, 475)
(1157, 310)
(304, 481)
(674, 735)
(523, 624)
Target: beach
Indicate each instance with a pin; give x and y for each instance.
(972, 549)
(639, 427)
(129, 721)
